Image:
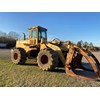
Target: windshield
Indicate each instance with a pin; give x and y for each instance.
(32, 34)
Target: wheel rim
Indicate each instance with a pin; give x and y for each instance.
(15, 56)
(44, 59)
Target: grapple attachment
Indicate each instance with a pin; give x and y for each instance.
(74, 63)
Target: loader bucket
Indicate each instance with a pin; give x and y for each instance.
(74, 62)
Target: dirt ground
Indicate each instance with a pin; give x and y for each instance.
(97, 54)
(4, 53)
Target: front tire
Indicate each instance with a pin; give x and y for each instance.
(47, 59)
(18, 56)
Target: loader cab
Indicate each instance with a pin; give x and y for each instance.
(37, 34)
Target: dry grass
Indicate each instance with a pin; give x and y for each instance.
(32, 76)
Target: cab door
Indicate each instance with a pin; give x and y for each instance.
(42, 34)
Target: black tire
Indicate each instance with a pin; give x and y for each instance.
(47, 59)
(18, 56)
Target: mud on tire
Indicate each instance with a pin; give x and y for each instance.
(18, 56)
(47, 59)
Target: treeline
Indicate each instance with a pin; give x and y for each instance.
(9, 39)
(88, 45)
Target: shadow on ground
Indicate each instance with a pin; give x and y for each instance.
(87, 73)
(81, 72)
(58, 70)
(30, 64)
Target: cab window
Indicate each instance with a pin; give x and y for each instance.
(43, 34)
(39, 36)
(33, 34)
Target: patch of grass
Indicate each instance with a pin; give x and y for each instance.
(31, 76)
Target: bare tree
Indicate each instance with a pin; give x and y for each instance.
(91, 45)
(85, 44)
(79, 44)
(3, 34)
(9, 39)
(13, 35)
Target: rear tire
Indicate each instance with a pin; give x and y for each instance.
(47, 59)
(18, 56)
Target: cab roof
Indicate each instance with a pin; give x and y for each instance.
(35, 27)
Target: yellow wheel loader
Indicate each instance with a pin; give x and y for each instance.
(50, 54)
